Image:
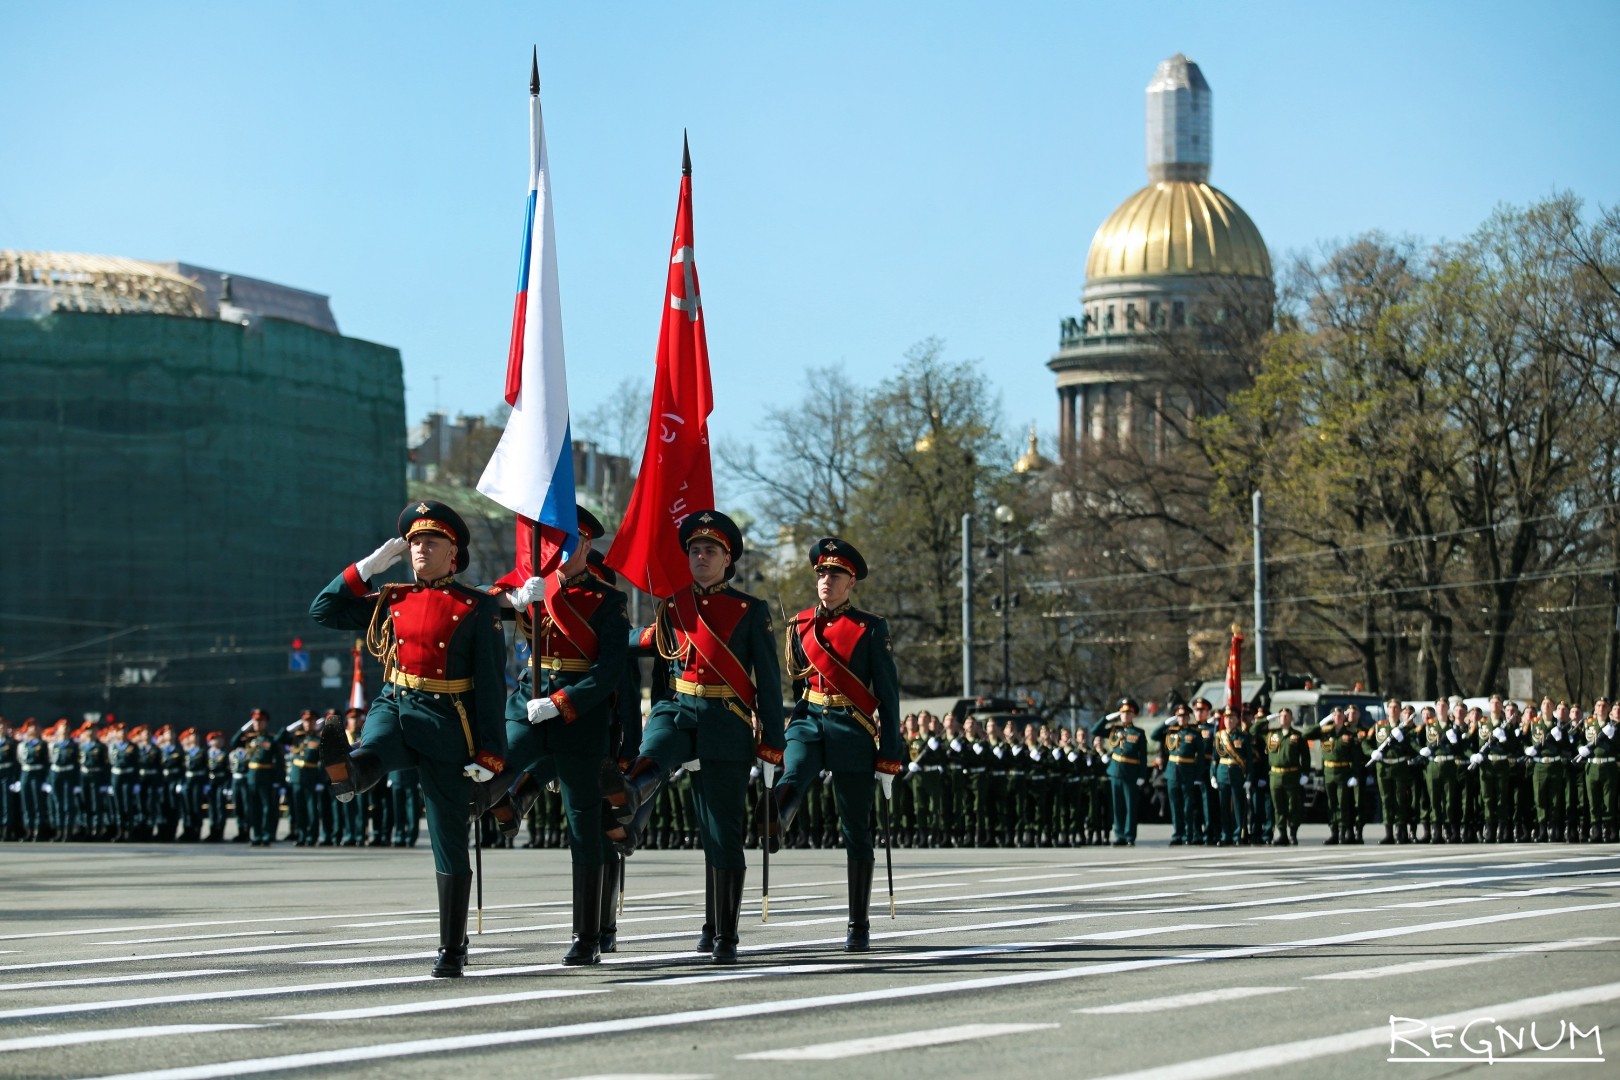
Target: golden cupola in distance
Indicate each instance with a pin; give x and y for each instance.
(1174, 252)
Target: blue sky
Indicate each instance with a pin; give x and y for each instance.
(866, 174)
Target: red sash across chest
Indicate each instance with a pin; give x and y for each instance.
(828, 644)
(425, 621)
(702, 627)
(567, 633)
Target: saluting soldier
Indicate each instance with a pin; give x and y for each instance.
(558, 718)
(1442, 747)
(304, 788)
(1341, 761)
(194, 785)
(845, 719)
(725, 679)
(261, 756)
(1179, 741)
(1289, 757)
(219, 786)
(442, 708)
(1493, 760)
(1126, 748)
(95, 779)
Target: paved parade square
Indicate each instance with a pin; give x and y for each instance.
(199, 962)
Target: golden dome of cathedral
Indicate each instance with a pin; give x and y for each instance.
(1174, 227)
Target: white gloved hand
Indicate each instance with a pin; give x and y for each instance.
(47, 788)
(1499, 734)
(913, 767)
(1214, 782)
(933, 743)
(390, 553)
(754, 774)
(477, 773)
(1140, 781)
(541, 709)
(1377, 755)
(1034, 755)
(1073, 756)
(1558, 734)
(956, 745)
(1608, 730)
(1398, 735)
(527, 593)
(692, 766)
(886, 782)
(1583, 753)
(1475, 759)
(1304, 781)
(1245, 785)
(768, 771)
(1426, 752)
(1451, 736)
(978, 748)
(998, 751)
(1531, 750)
(1353, 782)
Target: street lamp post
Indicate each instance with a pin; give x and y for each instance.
(1004, 517)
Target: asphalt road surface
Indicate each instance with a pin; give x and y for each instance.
(207, 961)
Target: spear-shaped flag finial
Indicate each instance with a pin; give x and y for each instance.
(534, 74)
(686, 155)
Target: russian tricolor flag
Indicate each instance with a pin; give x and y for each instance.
(532, 470)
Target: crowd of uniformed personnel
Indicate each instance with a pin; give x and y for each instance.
(105, 782)
(1550, 772)
(1446, 773)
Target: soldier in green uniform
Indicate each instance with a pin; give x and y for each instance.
(558, 717)
(1099, 798)
(219, 786)
(1551, 750)
(903, 812)
(1230, 754)
(193, 786)
(1179, 742)
(1125, 746)
(976, 758)
(846, 717)
(1390, 748)
(1207, 803)
(304, 788)
(1493, 760)
(151, 773)
(1341, 760)
(1602, 762)
(442, 708)
(1574, 778)
(1444, 747)
(262, 759)
(725, 679)
(1289, 758)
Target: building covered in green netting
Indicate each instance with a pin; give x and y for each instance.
(187, 457)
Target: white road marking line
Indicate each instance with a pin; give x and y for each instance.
(396, 958)
(756, 1009)
(1146, 931)
(1183, 1001)
(885, 959)
(408, 1007)
(193, 937)
(312, 943)
(1415, 966)
(1280, 1054)
(905, 1040)
(212, 995)
(76, 1038)
(647, 1076)
(101, 980)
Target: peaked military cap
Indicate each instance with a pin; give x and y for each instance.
(426, 515)
(1128, 703)
(588, 522)
(831, 551)
(713, 525)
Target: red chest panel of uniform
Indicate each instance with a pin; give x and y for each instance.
(842, 635)
(553, 642)
(722, 611)
(425, 622)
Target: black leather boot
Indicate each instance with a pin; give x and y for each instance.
(628, 792)
(612, 882)
(1389, 833)
(454, 891)
(706, 935)
(1333, 835)
(348, 772)
(859, 938)
(586, 949)
(788, 798)
(728, 890)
